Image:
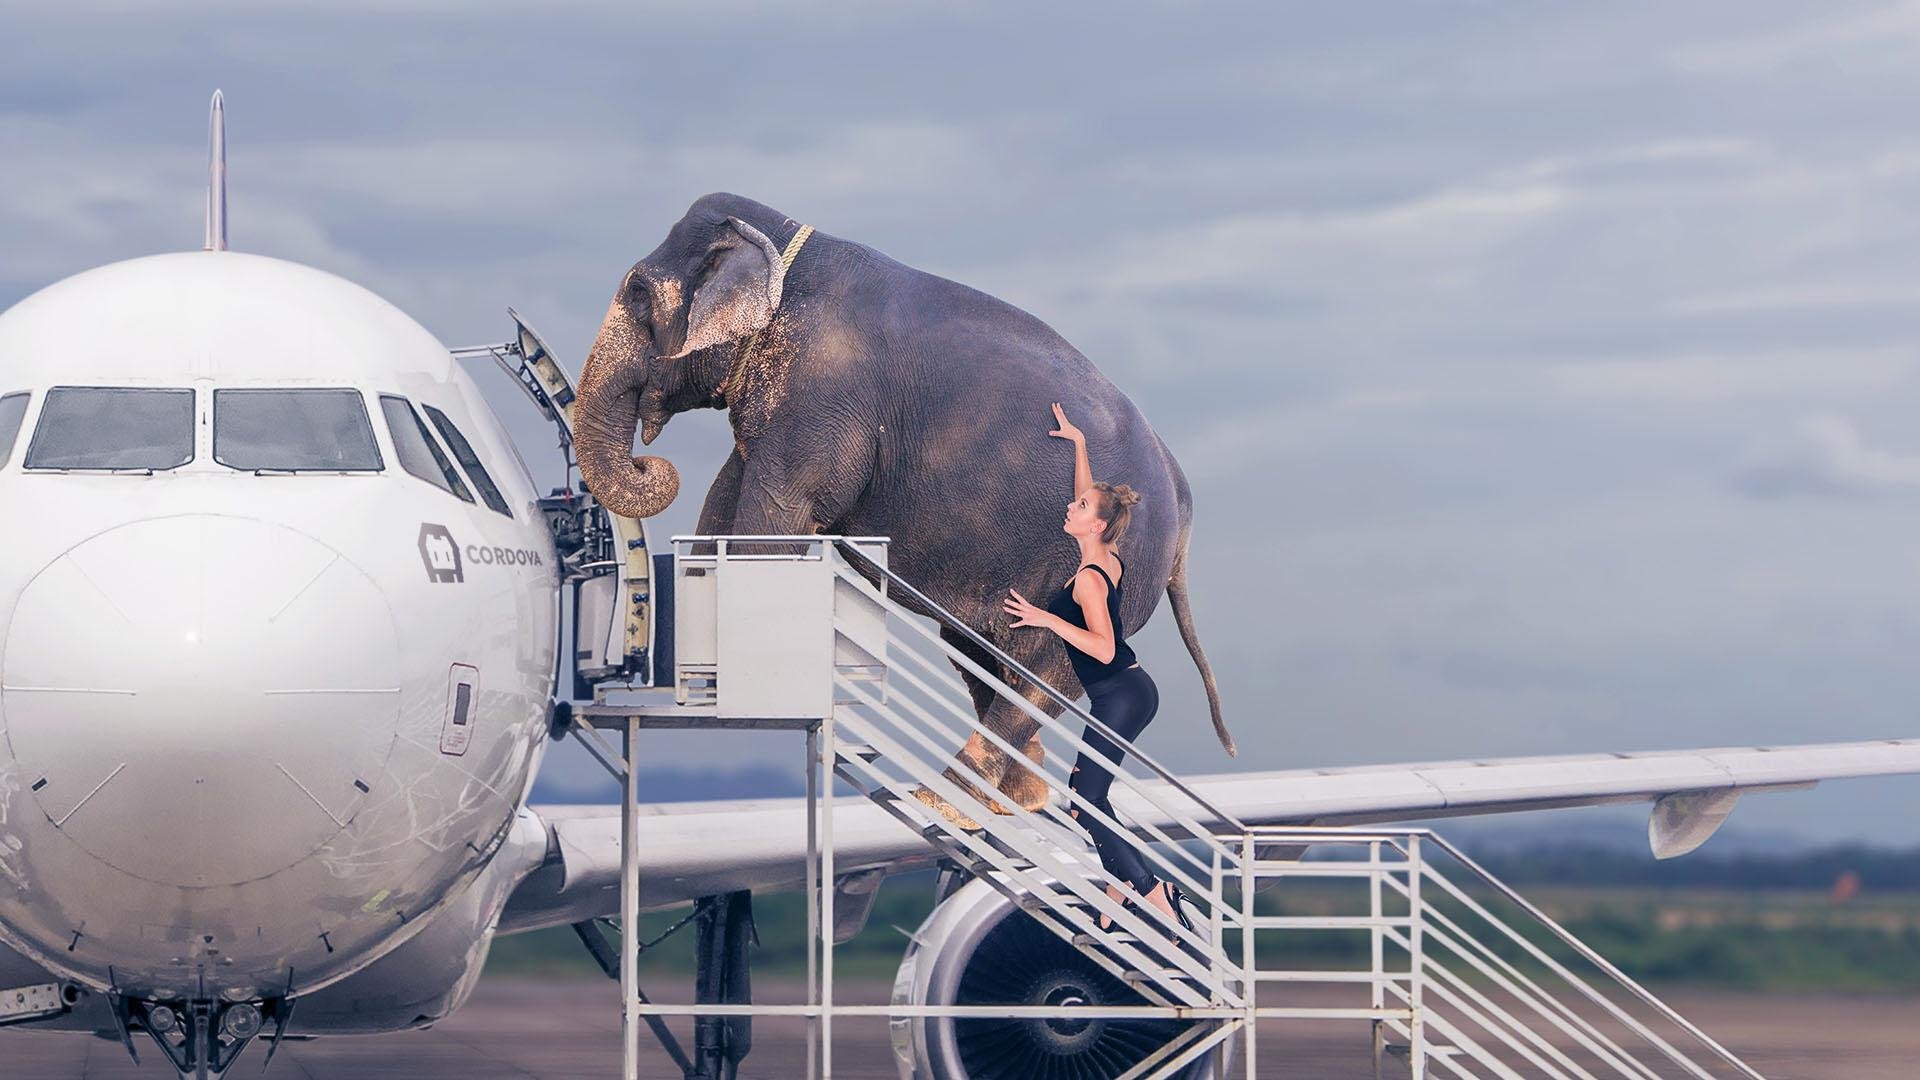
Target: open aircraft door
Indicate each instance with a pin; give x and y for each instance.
(606, 561)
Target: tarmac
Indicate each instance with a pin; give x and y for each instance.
(569, 1029)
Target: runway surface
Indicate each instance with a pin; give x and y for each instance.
(533, 1029)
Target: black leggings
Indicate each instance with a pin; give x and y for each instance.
(1126, 703)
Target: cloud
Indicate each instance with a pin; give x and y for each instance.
(1461, 322)
(1815, 295)
(1828, 456)
(1726, 377)
(1889, 30)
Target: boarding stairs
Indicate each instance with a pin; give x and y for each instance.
(1459, 975)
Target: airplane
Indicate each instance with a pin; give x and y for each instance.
(280, 625)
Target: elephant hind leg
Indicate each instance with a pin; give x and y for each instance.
(1019, 784)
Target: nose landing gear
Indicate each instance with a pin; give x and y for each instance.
(203, 1037)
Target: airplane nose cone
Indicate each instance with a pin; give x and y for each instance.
(200, 700)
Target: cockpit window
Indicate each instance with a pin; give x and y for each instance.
(463, 453)
(107, 427)
(419, 454)
(293, 431)
(13, 409)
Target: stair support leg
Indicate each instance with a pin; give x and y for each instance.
(630, 906)
(813, 899)
(1248, 878)
(1378, 998)
(824, 768)
(1416, 941)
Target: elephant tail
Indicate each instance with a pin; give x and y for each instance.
(1183, 616)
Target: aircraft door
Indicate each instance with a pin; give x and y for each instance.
(607, 558)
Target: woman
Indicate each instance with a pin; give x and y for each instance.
(1086, 615)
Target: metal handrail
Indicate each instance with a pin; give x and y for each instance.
(1056, 785)
(1052, 723)
(1566, 938)
(1505, 974)
(1491, 1017)
(1164, 859)
(952, 622)
(1010, 882)
(1068, 901)
(1527, 992)
(1133, 921)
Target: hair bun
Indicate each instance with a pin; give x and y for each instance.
(1126, 496)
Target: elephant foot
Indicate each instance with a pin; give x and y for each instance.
(978, 761)
(1024, 786)
(946, 809)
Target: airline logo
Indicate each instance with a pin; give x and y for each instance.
(440, 554)
(503, 556)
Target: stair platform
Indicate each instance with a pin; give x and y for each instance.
(659, 716)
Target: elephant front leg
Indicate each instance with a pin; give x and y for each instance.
(773, 501)
(723, 498)
(722, 503)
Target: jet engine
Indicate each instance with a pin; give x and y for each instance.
(978, 948)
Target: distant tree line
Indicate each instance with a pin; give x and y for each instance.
(1879, 869)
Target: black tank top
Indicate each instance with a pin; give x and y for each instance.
(1086, 668)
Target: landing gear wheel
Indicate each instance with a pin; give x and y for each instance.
(201, 1038)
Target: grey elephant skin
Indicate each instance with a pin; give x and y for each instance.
(869, 398)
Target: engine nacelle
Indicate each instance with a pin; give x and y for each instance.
(978, 948)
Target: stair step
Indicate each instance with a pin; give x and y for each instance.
(1107, 938)
(977, 866)
(1114, 937)
(999, 843)
(1069, 824)
(848, 751)
(1161, 975)
(1403, 1050)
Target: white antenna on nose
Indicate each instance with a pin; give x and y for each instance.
(217, 175)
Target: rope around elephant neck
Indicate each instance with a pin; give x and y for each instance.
(792, 251)
(787, 256)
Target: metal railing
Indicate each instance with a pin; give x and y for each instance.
(858, 559)
(1465, 991)
(1030, 855)
(1450, 985)
(1461, 1006)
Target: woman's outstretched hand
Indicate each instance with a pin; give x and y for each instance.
(1066, 430)
(1023, 611)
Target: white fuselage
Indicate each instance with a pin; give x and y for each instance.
(228, 754)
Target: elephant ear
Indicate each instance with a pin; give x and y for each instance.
(738, 289)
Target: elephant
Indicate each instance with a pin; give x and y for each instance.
(868, 398)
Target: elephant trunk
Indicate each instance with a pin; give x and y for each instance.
(604, 420)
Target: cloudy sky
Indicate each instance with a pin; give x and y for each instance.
(1546, 376)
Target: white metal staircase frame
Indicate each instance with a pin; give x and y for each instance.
(891, 721)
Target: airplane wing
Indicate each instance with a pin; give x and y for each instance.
(688, 850)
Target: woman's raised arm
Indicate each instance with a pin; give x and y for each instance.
(1082, 472)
